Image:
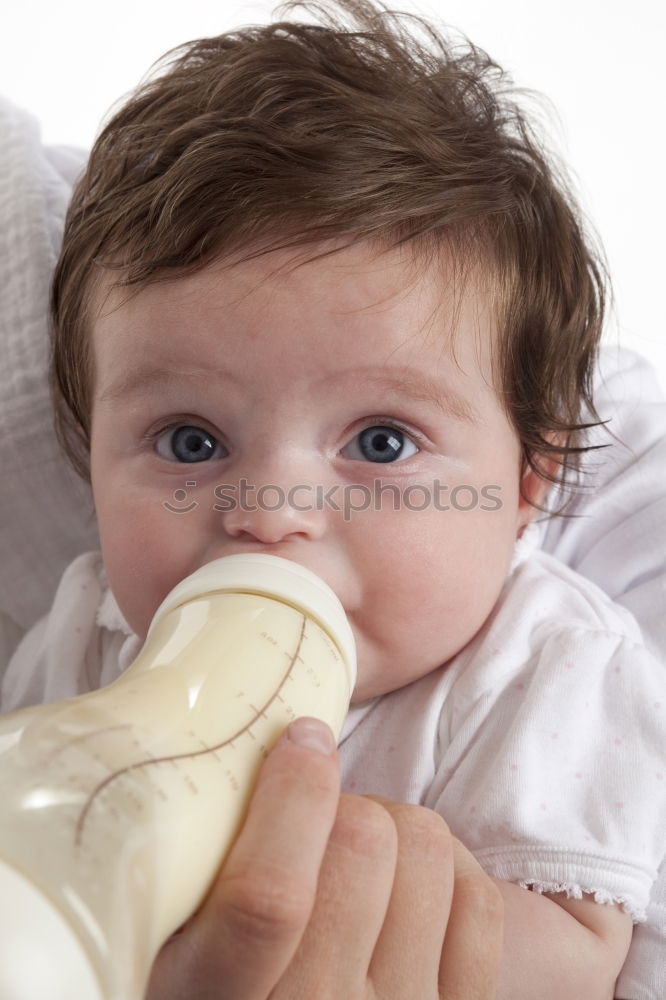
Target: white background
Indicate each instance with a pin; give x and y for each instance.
(598, 61)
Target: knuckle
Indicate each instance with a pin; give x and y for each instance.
(424, 828)
(365, 828)
(480, 899)
(424, 835)
(266, 906)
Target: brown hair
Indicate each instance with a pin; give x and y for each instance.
(354, 128)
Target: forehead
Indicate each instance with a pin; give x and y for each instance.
(394, 301)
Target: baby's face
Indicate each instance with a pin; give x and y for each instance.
(369, 453)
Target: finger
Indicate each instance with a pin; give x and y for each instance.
(472, 951)
(240, 942)
(355, 885)
(407, 957)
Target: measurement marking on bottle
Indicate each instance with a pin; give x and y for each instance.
(102, 786)
(210, 750)
(87, 736)
(191, 785)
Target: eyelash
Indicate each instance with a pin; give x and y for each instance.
(151, 437)
(394, 425)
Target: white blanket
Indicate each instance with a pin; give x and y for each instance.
(45, 510)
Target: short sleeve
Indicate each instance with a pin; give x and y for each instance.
(552, 773)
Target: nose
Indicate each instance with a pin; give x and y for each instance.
(271, 514)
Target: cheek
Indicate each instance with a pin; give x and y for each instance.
(437, 577)
(132, 561)
(141, 548)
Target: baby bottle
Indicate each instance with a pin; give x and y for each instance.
(117, 807)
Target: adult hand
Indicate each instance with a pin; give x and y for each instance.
(336, 896)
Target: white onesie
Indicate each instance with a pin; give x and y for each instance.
(541, 743)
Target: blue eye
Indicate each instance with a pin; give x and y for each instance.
(188, 444)
(381, 444)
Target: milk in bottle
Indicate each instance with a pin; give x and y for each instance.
(117, 807)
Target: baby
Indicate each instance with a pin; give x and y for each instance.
(322, 295)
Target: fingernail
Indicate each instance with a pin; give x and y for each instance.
(312, 734)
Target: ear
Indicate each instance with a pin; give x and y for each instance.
(534, 486)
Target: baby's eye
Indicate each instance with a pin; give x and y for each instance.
(188, 444)
(380, 444)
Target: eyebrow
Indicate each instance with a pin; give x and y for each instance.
(427, 390)
(414, 386)
(142, 380)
